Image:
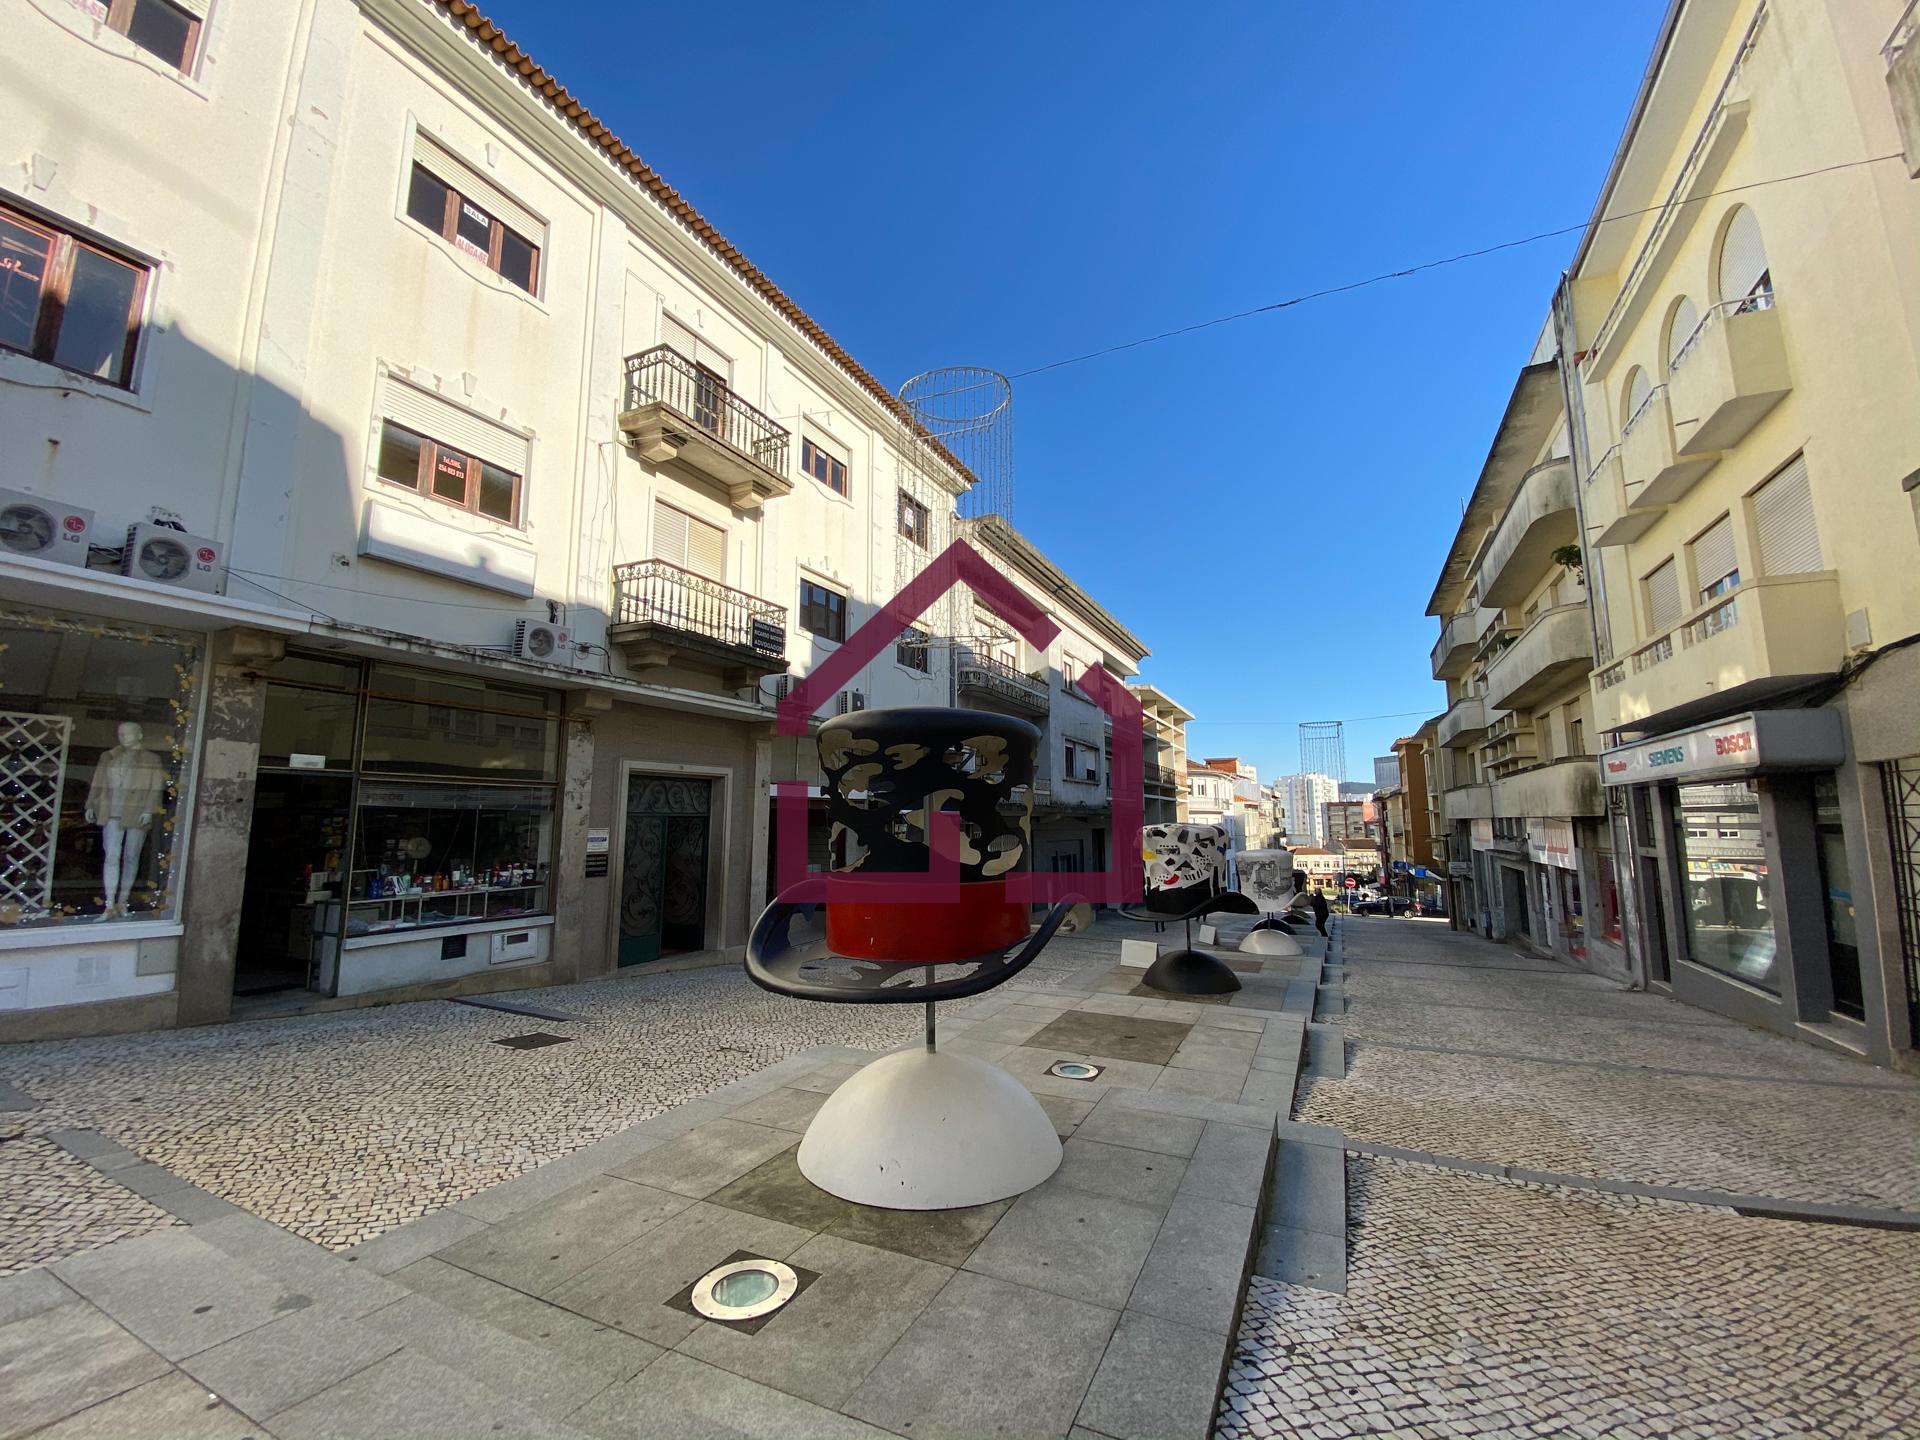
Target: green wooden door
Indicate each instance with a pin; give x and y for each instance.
(663, 880)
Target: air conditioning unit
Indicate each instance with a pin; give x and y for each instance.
(852, 700)
(163, 556)
(783, 687)
(44, 529)
(537, 640)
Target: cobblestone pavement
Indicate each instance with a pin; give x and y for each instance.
(1490, 1307)
(1484, 1306)
(340, 1126)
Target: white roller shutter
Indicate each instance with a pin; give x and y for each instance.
(1686, 319)
(463, 177)
(683, 338)
(692, 544)
(428, 414)
(1783, 516)
(1663, 599)
(1713, 553)
(1639, 387)
(1743, 256)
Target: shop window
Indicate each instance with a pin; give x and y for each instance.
(434, 854)
(1724, 897)
(426, 724)
(829, 469)
(823, 612)
(96, 739)
(428, 467)
(67, 301)
(470, 213)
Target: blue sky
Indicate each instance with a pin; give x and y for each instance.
(1265, 503)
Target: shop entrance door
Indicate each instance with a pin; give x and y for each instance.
(1513, 899)
(289, 916)
(664, 857)
(1836, 883)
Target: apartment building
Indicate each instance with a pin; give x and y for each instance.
(418, 508)
(1522, 793)
(1210, 801)
(1164, 758)
(1073, 786)
(1307, 796)
(1743, 346)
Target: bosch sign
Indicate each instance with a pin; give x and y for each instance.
(1768, 739)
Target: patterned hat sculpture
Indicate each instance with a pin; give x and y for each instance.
(1266, 878)
(1186, 875)
(931, 810)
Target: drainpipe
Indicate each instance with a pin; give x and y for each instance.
(1626, 868)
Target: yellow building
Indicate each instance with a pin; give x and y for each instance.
(1738, 338)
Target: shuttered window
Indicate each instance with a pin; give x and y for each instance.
(683, 338)
(1783, 517)
(1743, 258)
(1715, 570)
(1686, 319)
(1639, 391)
(474, 215)
(437, 449)
(692, 544)
(1663, 599)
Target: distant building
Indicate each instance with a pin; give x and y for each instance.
(1305, 796)
(1386, 771)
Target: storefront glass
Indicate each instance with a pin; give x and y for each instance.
(96, 744)
(1724, 894)
(1573, 919)
(1836, 883)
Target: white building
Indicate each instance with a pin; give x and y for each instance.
(457, 674)
(1307, 798)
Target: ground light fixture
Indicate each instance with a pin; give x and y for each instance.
(1074, 1070)
(744, 1289)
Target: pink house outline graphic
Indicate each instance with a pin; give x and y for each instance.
(958, 563)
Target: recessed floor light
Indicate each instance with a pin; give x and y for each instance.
(744, 1289)
(534, 1041)
(1074, 1070)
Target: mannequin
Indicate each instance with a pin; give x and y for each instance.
(129, 787)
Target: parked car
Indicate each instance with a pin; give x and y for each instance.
(1384, 905)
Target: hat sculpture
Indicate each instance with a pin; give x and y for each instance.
(1186, 868)
(932, 811)
(1266, 878)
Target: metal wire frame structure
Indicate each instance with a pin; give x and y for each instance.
(1323, 748)
(969, 410)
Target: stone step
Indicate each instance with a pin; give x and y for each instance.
(1303, 1239)
(1326, 1052)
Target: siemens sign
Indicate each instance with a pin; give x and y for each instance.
(1747, 744)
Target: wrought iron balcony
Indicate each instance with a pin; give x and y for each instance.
(675, 410)
(664, 615)
(986, 677)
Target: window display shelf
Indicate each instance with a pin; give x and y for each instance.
(431, 909)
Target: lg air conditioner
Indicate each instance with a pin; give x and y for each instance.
(537, 640)
(852, 700)
(44, 529)
(162, 556)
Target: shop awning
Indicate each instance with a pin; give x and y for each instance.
(1729, 749)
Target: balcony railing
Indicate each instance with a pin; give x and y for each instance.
(654, 592)
(1159, 776)
(1000, 681)
(672, 409)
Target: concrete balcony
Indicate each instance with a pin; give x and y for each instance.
(1729, 375)
(984, 678)
(1455, 647)
(1656, 472)
(673, 410)
(1551, 653)
(666, 618)
(1466, 802)
(1611, 517)
(1770, 635)
(1540, 519)
(1465, 721)
(1562, 790)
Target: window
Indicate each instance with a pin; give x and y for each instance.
(430, 468)
(68, 302)
(823, 612)
(1663, 598)
(1576, 736)
(913, 520)
(911, 651)
(692, 544)
(1783, 518)
(1715, 568)
(830, 470)
(1082, 761)
(159, 27)
(1745, 277)
(474, 215)
(1639, 392)
(473, 230)
(1680, 329)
